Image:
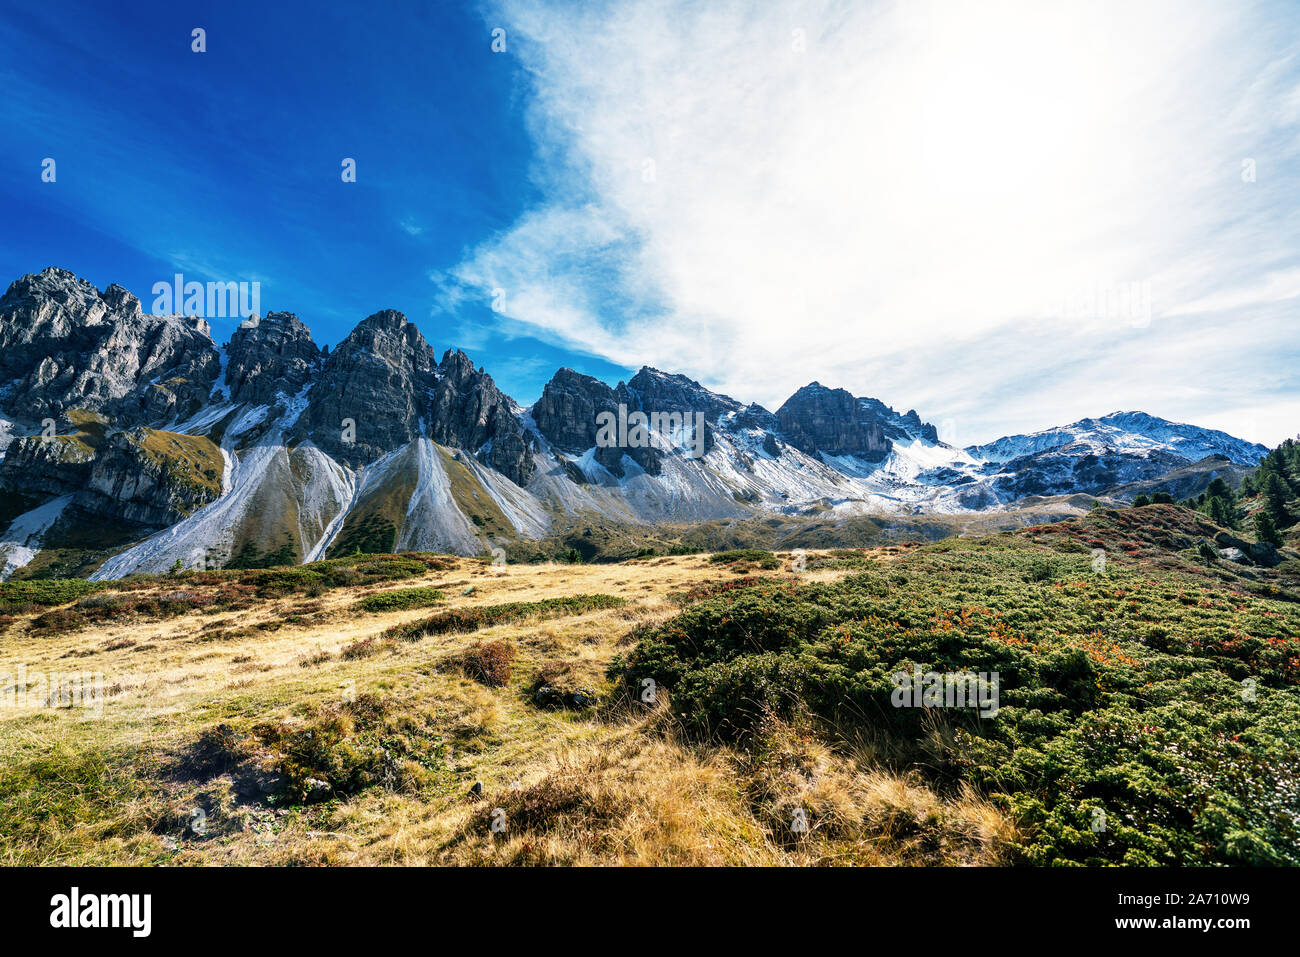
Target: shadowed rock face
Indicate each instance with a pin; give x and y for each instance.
(141, 476)
(369, 395)
(271, 355)
(817, 419)
(68, 346)
(566, 412)
(1080, 467)
(902, 426)
(382, 387)
(470, 412)
(566, 415)
(131, 481)
(37, 466)
(656, 391)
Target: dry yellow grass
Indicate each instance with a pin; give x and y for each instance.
(563, 787)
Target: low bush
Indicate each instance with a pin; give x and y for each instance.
(338, 751)
(489, 662)
(401, 598)
(755, 556)
(20, 595)
(1148, 699)
(158, 596)
(364, 648)
(462, 620)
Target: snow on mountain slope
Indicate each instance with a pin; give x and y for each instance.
(740, 474)
(273, 497)
(917, 474)
(1134, 433)
(22, 539)
(684, 490)
(746, 470)
(736, 476)
(525, 513)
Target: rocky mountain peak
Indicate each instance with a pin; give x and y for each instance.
(55, 295)
(754, 416)
(657, 391)
(818, 419)
(381, 388)
(468, 411)
(566, 412)
(369, 395)
(457, 366)
(386, 320)
(267, 356)
(899, 428)
(389, 334)
(120, 300)
(65, 345)
(1130, 433)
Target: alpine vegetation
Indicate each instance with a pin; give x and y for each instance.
(650, 433)
(947, 690)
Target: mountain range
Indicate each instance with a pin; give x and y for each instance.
(134, 442)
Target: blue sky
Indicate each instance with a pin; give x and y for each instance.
(1007, 215)
(225, 165)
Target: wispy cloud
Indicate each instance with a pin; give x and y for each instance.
(887, 196)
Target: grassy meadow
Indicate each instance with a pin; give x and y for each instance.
(428, 709)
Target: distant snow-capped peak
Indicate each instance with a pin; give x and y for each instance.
(1134, 433)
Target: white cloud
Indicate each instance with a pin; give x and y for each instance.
(1270, 287)
(918, 181)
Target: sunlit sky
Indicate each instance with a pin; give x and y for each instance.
(1006, 215)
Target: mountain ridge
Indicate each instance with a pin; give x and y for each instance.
(379, 442)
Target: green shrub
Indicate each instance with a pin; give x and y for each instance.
(400, 598)
(472, 619)
(1041, 570)
(839, 559)
(758, 556)
(46, 591)
(1121, 694)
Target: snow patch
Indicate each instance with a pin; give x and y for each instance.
(22, 540)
